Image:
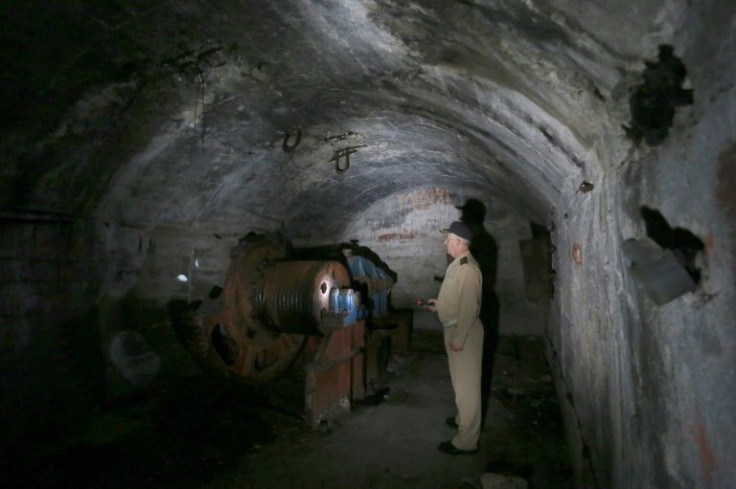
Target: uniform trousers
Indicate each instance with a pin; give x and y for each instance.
(465, 373)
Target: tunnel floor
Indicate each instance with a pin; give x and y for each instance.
(191, 433)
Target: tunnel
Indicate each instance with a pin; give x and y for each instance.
(591, 143)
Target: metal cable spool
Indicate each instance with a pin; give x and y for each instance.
(257, 326)
(295, 295)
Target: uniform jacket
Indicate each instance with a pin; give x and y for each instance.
(458, 304)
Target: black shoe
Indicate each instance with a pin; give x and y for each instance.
(450, 449)
(451, 423)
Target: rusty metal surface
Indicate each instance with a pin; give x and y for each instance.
(254, 362)
(296, 294)
(222, 335)
(242, 285)
(269, 294)
(221, 348)
(268, 309)
(336, 376)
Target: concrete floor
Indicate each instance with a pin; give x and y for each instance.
(194, 435)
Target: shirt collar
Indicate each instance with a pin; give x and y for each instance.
(460, 256)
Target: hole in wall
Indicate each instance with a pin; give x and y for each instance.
(652, 104)
(683, 244)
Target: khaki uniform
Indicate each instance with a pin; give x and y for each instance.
(458, 307)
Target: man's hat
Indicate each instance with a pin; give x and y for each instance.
(459, 229)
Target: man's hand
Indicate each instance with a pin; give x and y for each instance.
(456, 347)
(432, 305)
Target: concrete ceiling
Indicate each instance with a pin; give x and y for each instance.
(189, 112)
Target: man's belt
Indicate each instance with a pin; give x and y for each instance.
(451, 322)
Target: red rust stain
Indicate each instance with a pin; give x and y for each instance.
(708, 461)
(577, 253)
(395, 237)
(709, 244)
(425, 198)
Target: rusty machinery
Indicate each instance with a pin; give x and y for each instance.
(274, 305)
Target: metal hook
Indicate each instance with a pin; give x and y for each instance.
(347, 164)
(343, 153)
(298, 139)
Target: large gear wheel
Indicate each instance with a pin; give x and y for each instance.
(223, 334)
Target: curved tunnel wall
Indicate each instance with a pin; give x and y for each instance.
(404, 230)
(127, 177)
(634, 371)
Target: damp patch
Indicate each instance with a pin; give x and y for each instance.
(652, 104)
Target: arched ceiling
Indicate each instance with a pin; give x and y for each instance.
(190, 111)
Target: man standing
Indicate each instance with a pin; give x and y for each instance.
(458, 308)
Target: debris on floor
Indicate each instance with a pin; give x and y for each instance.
(496, 481)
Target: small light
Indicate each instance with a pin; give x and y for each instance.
(182, 278)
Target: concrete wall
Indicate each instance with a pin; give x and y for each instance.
(649, 390)
(404, 231)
